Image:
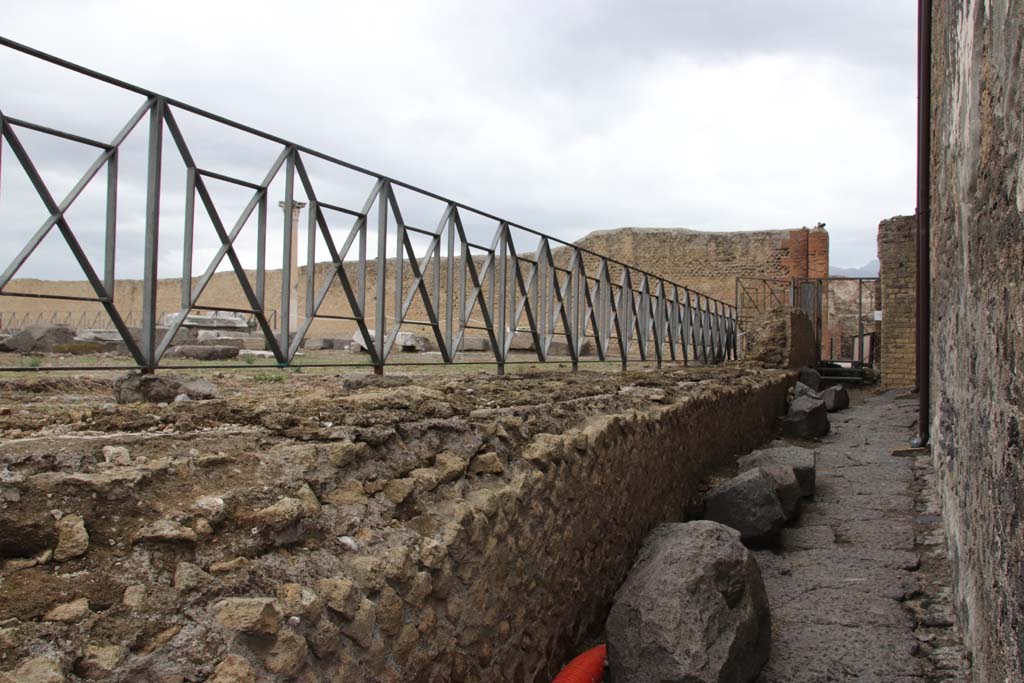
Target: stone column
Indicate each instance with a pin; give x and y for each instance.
(293, 266)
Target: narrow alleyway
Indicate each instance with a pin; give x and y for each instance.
(859, 588)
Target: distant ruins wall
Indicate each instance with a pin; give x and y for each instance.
(977, 333)
(898, 273)
(707, 262)
(710, 262)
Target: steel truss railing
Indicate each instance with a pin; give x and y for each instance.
(558, 289)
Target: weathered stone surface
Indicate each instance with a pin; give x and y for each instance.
(36, 670)
(811, 378)
(139, 388)
(787, 488)
(288, 653)
(340, 594)
(203, 351)
(165, 530)
(802, 389)
(69, 612)
(749, 504)
(486, 463)
(836, 398)
(807, 418)
(447, 584)
(72, 538)
(233, 669)
(977, 298)
(279, 515)
(38, 339)
(249, 615)
(99, 661)
(802, 460)
(693, 608)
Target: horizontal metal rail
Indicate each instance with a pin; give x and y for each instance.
(547, 290)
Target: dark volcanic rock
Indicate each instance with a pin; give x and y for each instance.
(802, 460)
(693, 608)
(749, 504)
(836, 398)
(807, 418)
(811, 377)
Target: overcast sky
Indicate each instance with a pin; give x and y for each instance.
(566, 116)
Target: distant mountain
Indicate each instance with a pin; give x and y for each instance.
(869, 269)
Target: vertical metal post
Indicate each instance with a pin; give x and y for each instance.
(149, 277)
(187, 241)
(261, 252)
(860, 321)
(110, 243)
(449, 285)
(924, 132)
(382, 260)
(502, 325)
(284, 338)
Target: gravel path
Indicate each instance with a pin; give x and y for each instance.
(851, 598)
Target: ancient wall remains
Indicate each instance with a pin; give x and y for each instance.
(707, 262)
(977, 329)
(456, 528)
(898, 274)
(710, 262)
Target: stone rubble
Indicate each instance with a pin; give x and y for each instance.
(693, 608)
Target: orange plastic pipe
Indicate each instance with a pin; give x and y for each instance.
(585, 668)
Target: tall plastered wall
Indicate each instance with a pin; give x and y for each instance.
(898, 273)
(977, 331)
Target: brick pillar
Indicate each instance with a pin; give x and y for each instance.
(797, 260)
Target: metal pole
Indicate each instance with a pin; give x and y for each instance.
(149, 277)
(924, 98)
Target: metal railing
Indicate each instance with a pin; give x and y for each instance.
(558, 289)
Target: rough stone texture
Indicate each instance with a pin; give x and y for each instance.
(693, 608)
(38, 339)
(977, 372)
(475, 573)
(749, 504)
(203, 351)
(802, 460)
(810, 378)
(836, 398)
(807, 418)
(898, 274)
(838, 592)
(781, 338)
(72, 538)
(787, 488)
(163, 388)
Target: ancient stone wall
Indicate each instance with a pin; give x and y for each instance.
(455, 528)
(898, 273)
(710, 262)
(706, 262)
(977, 332)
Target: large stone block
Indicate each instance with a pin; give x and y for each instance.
(802, 460)
(749, 504)
(693, 608)
(807, 418)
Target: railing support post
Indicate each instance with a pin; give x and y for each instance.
(152, 239)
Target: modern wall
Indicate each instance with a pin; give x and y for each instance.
(977, 313)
